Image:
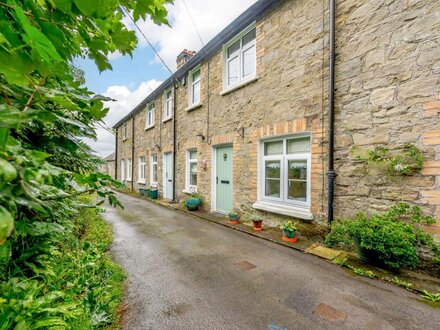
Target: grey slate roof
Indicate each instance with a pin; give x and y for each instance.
(257, 10)
(110, 157)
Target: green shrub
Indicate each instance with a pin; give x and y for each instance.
(392, 236)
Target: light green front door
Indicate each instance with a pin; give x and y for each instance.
(224, 179)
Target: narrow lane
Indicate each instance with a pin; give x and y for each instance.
(187, 273)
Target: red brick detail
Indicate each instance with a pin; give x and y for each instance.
(431, 138)
(431, 197)
(431, 109)
(431, 167)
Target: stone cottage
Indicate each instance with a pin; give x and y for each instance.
(246, 121)
(109, 166)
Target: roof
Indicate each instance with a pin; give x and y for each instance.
(110, 157)
(257, 10)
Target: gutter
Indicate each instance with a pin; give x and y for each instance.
(331, 174)
(132, 153)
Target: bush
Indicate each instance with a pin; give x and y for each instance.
(392, 236)
(61, 277)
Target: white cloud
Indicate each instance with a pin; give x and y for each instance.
(125, 101)
(210, 17)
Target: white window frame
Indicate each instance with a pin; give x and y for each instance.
(168, 105)
(125, 131)
(151, 114)
(283, 205)
(141, 171)
(152, 163)
(189, 188)
(239, 53)
(129, 169)
(122, 170)
(191, 86)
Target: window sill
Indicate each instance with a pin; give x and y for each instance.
(292, 211)
(190, 191)
(124, 139)
(167, 119)
(141, 182)
(149, 127)
(128, 180)
(194, 106)
(239, 85)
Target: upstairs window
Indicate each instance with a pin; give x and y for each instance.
(240, 58)
(142, 169)
(150, 115)
(167, 111)
(286, 171)
(124, 131)
(194, 94)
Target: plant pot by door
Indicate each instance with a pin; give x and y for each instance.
(193, 204)
(289, 236)
(154, 194)
(258, 225)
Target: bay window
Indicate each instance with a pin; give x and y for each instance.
(285, 166)
(240, 58)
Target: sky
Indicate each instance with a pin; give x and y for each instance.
(133, 78)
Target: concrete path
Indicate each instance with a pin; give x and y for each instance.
(187, 273)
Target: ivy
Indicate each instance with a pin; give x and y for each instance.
(407, 162)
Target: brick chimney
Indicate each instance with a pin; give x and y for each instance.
(184, 57)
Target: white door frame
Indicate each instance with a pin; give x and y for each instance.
(214, 173)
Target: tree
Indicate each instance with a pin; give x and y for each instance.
(45, 111)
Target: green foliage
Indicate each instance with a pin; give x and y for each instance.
(398, 282)
(393, 236)
(434, 297)
(362, 272)
(256, 217)
(288, 225)
(233, 214)
(65, 279)
(407, 162)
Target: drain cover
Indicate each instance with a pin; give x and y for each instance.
(244, 265)
(328, 313)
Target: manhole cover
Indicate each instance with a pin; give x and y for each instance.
(328, 313)
(244, 265)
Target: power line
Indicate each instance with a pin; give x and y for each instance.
(125, 13)
(193, 22)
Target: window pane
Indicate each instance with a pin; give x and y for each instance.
(233, 70)
(196, 93)
(272, 188)
(249, 61)
(298, 190)
(155, 172)
(169, 95)
(297, 169)
(298, 145)
(196, 76)
(273, 169)
(193, 174)
(193, 154)
(273, 148)
(154, 158)
(233, 48)
(249, 37)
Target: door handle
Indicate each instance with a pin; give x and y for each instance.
(169, 180)
(216, 180)
(224, 181)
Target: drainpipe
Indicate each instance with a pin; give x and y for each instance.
(331, 175)
(116, 154)
(174, 137)
(132, 153)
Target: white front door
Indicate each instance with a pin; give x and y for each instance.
(168, 175)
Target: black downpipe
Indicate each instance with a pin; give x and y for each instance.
(132, 153)
(116, 154)
(174, 137)
(331, 175)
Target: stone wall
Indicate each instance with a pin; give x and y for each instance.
(387, 80)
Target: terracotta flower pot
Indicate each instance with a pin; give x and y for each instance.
(289, 236)
(258, 225)
(233, 222)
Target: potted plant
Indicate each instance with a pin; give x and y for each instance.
(257, 220)
(233, 218)
(289, 231)
(154, 191)
(193, 203)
